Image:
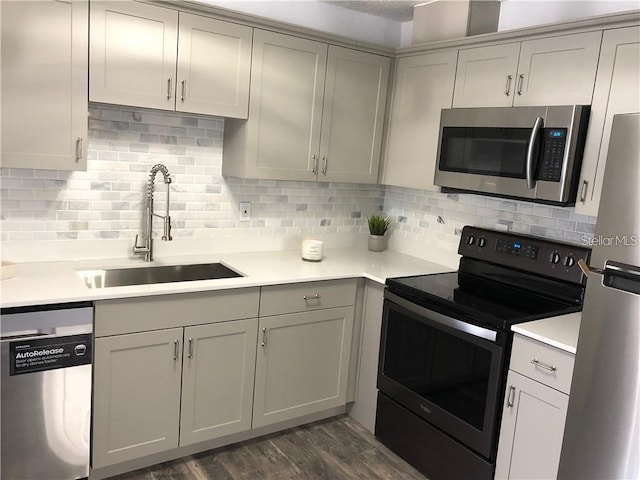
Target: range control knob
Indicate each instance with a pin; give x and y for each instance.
(471, 240)
(482, 242)
(555, 257)
(569, 261)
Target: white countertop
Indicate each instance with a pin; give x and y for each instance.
(560, 332)
(57, 282)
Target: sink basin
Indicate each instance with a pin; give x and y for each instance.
(119, 277)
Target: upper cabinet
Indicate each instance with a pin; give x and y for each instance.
(283, 131)
(423, 86)
(617, 91)
(206, 71)
(214, 62)
(549, 71)
(353, 116)
(44, 84)
(316, 113)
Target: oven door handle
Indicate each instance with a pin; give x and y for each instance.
(454, 323)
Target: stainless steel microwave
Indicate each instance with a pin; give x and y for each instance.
(530, 153)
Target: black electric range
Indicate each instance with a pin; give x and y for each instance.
(446, 341)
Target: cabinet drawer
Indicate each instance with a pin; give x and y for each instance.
(554, 368)
(302, 297)
(129, 315)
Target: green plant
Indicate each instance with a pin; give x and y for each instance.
(378, 225)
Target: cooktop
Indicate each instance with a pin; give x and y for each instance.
(503, 279)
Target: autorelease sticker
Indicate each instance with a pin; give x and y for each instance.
(39, 355)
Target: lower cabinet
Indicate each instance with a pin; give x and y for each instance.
(534, 411)
(198, 376)
(532, 428)
(140, 407)
(302, 364)
(217, 380)
(136, 395)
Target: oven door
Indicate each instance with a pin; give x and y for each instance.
(445, 370)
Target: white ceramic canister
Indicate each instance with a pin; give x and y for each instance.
(312, 249)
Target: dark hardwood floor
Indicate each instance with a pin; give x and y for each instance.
(337, 448)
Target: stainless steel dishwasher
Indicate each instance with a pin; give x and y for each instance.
(46, 391)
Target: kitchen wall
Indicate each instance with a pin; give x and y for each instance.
(106, 202)
(435, 219)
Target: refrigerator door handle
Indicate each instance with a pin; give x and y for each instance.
(616, 275)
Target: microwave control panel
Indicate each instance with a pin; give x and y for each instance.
(554, 143)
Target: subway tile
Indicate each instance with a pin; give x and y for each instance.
(108, 199)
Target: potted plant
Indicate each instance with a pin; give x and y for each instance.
(378, 227)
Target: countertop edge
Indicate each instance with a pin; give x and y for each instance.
(46, 283)
(560, 332)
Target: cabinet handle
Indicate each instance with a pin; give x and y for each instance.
(507, 90)
(520, 82)
(78, 148)
(176, 349)
(182, 95)
(583, 191)
(324, 165)
(314, 168)
(306, 298)
(512, 396)
(537, 363)
(168, 88)
(190, 353)
(264, 338)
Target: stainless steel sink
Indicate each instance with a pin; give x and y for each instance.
(119, 277)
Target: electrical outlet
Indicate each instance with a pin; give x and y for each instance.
(245, 211)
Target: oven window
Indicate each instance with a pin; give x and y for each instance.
(499, 152)
(446, 369)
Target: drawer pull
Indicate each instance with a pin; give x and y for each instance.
(264, 337)
(306, 298)
(550, 368)
(512, 395)
(176, 349)
(190, 354)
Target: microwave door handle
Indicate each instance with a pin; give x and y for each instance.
(531, 148)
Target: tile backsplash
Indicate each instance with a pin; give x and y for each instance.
(106, 201)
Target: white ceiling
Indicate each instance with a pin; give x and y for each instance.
(397, 10)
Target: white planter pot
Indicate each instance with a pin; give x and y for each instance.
(377, 243)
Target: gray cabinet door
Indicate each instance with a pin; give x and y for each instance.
(217, 385)
(532, 430)
(136, 396)
(133, 54)
(558, 70)
(486, 76)
(44, 84)
(287, 86)
(423, 86)
(617, 90)
(302, 364)
(352, 116)
(214, 62)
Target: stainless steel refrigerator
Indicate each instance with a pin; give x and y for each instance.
(602, 434)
